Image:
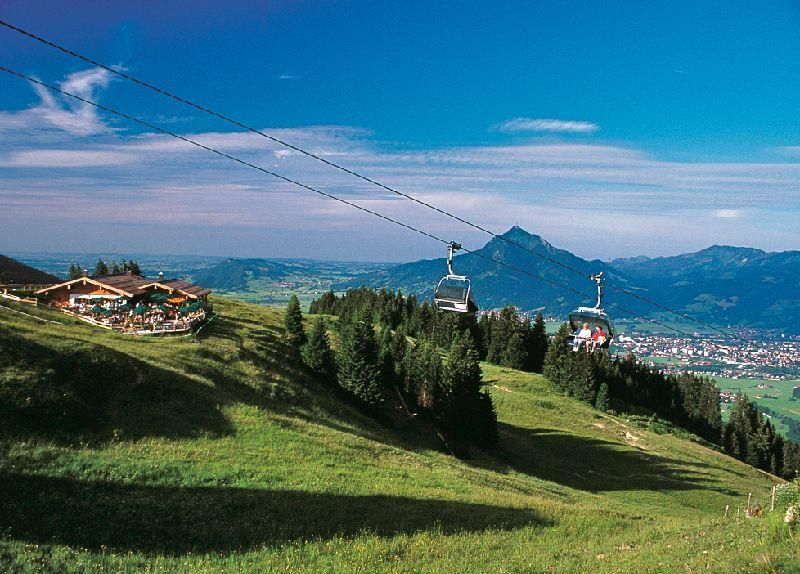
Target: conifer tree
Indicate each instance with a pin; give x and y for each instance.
(601, 402)
(557, 357)
(317, 354)
(467, 412)
(537, 347)
(293, 324)
(399, 350)
(101, 268)
(423, 370)
(75, 272)
(358, 360)
(515, 355)
(386, 355)
(131, 266)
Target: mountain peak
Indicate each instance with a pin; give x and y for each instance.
(518, 235)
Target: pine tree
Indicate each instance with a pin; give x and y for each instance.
(601, 402)
(386, 355)
(557, 358)
(101, 268)
(293, 324)
(75, 272)
(115, 268)
(515, 355)
(358, 360)
(317, 354)
(399, 350)
(423, 369)
(537, 346)
(467, 413)
(131, 266)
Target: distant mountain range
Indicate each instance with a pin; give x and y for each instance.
(721, 285)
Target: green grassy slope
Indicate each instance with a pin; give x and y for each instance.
(214, 455)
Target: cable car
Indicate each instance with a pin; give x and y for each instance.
(454, 292)
(592, 317)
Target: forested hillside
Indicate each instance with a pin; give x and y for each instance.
(218, 453)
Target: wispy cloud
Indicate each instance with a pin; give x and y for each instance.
(64, 158)
(568, 191)
(54, 111)
(287, 77)
(521, 125)
(728, 213)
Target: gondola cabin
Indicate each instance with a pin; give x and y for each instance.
(594, 318)
(454, 293)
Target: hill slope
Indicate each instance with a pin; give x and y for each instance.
(16, 272)
(216, 455)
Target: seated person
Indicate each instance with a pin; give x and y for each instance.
(598, 337)
(582, 336)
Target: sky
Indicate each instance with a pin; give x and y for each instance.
(612, 129)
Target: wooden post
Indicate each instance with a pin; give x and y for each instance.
(749, 496)
(727, 507)
(772, 504)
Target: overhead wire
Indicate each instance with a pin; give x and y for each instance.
(297, 183)
(354, 173)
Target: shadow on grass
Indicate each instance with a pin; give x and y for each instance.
(596, 465)
(176, 520)
(68, 389)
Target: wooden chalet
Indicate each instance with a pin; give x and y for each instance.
(130, 303)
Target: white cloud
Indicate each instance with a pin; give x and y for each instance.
(570, 192)
(518, 125)
(62, 112)
(64, 158)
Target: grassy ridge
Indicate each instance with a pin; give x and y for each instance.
(217, 455)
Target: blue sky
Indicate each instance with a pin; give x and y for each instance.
(660, 127)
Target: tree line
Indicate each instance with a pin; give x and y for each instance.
(104, 268)
(505, 338)
(687, 400)
(751, 437)
(373, 362)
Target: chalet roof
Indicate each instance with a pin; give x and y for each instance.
(184, 287)
(129, 285)
(122, 281)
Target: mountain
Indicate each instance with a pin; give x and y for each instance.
(16, 272)
(723, 285)
(217, 454)
(236, 274)
(495, 285)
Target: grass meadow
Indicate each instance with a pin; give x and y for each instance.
(214, 454)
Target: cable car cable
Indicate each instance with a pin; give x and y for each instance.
(319, 192)
(356, 174)
(351, 204)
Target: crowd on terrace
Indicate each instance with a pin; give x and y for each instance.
(131, 303)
